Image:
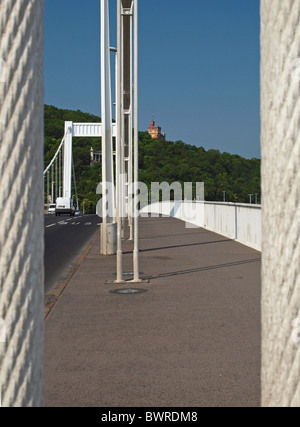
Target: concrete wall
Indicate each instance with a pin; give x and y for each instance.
(241, 222)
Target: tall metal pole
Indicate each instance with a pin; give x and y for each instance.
(122, 123)
(130, 127)
(107, 236)
(136, 268)
(118, 147)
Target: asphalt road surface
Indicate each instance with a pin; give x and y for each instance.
(65, 237)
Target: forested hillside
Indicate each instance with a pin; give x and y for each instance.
(158, 161)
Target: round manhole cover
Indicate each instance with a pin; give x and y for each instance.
(128, 291)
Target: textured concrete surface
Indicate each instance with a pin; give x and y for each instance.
(280, 142)
(22, 199)
(192, 340)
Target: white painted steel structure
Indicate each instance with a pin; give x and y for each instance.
(68, 145)
(126, 113)
(136, 268)
(90, 130)
(107, 134)
(72, 130)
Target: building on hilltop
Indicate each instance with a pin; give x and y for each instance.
(155, 131)
(95, 156)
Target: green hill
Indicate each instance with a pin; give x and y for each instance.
(158, 161)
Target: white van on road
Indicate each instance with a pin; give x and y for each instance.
(64, 206)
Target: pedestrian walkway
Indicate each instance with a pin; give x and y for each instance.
(191, 340)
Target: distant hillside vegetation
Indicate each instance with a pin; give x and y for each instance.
(177, 161)
(158, 161)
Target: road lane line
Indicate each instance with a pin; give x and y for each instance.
(51, 225)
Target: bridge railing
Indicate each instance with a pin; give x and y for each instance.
(237, 221)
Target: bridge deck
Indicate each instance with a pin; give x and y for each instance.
(192, 340)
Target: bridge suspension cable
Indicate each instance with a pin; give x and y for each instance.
(55, 155)
(54, 171)
(75, 185)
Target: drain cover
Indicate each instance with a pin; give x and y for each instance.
(128, 291)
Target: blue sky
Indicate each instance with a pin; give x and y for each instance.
(198, 67)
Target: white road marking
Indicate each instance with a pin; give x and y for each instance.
(66, 222)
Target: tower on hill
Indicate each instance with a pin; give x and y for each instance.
(155, 131)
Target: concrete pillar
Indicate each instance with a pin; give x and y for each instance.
(280, 140)
(109, 246)
(67, 182)
(21, 195)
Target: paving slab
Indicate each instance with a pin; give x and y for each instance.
(191, 340)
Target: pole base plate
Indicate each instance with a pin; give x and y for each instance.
(125, 282)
